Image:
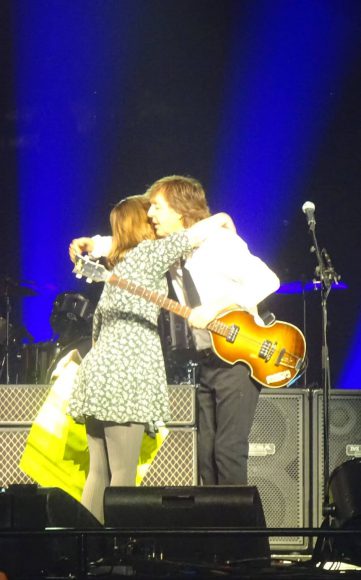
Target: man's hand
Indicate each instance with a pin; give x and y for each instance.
(79, 246)
(201, 316)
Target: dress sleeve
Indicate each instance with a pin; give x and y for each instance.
(161, 254)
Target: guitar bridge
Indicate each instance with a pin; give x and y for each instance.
(232, 334)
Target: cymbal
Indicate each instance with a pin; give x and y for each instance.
(10, 287)
(300, 286)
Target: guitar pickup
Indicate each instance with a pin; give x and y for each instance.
(267, 349)
(232, 334)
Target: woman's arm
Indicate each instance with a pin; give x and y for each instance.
(98, 246)
(200, 231)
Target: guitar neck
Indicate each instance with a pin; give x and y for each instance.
(164, 302)
(160, 300)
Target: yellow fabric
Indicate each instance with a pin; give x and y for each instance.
(56, 453)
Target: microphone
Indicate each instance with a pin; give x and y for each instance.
(308, 208)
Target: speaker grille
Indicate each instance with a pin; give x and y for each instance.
(12, 445)
(19, 404)
(182, 404)
(344, 438)
(278, 463)
(175, 464)
(176, 461)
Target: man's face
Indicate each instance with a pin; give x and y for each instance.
(164, 218)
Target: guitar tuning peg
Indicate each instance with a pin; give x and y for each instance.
(89, 280)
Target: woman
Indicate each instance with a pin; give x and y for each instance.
(121, 383)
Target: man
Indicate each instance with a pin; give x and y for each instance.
(222, 273)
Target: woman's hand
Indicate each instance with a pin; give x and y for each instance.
(79, 246)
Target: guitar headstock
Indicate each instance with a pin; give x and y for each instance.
(87, 268)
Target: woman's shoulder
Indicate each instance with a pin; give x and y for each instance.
(141, 251)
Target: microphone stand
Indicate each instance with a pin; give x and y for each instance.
(325, 273)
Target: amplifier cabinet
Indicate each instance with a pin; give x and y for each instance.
(12, 444)
(344, 438)
(279, 462)
(174, 464)
(176, 461)
(20, 404)
(182, 402)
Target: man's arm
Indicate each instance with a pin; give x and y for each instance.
(201, 316)
(97, 246)
(253, 279)
(242, 278)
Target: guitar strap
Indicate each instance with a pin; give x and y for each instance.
(190, 290)
(182, 336)
(171, 292)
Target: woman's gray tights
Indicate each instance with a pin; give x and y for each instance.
(114, 452)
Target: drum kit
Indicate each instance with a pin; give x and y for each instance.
(23, 361)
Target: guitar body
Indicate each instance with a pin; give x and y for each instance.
(274, 353)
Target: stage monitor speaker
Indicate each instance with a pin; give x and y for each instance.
(33, 507)
(279, 462)
(27, 507)
(201, 508)
(344, 438)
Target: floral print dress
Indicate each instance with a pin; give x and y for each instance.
(122, 378)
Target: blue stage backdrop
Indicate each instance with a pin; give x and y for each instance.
(243, 95)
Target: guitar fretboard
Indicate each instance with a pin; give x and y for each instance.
(163, 301)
